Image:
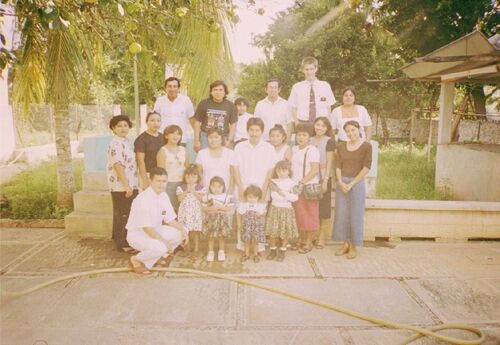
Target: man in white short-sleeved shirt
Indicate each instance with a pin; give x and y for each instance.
(253, 163)
(174, 108)
(152, 226)
(310, 98)
(274, 110)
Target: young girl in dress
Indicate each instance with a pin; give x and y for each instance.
(278, 138)
(190, 195)
(216, 221)
(251, 219)
(280, 222)
(173, 157)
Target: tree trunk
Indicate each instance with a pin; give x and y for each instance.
(65, 178)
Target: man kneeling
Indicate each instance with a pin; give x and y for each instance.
(152, 228)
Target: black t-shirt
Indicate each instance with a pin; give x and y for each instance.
(212, 114)
(149, 145)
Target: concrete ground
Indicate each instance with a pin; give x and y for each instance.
(415, 283)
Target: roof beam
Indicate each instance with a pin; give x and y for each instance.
(466, 58)
(472, 73)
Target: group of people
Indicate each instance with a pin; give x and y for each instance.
(246, 179)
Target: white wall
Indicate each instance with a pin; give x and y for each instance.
(7, 132)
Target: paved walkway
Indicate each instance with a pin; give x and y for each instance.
(416, 283)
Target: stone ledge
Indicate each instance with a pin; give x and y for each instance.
(435, 205)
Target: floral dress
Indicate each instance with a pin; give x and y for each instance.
(281, 222)
(217, 223)
(252, 221)
(190, 210)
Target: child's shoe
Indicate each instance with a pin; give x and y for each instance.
(221, 256)
(281, 254)
(210, 256)
(272, 254)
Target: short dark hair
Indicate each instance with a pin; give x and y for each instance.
(151, 113)
(351, 123)
(327, 123)
(191, 170)
(349, 88)
(241, 100)
(119, 118)
(252, 190)
(157, 171)
(273, 80)
(279, 128)
(255, 121)
(217, 179)
(218, 83)
(304, 127)
(282, 165)
(172, 129)
(172, 79)
(217, 130)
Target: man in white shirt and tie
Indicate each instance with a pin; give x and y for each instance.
(274, 110)
(310, 98)
(175, 108)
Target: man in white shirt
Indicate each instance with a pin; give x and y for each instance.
(310, 98)
(152, 228)
(253, 163)
(274, 110)
(174, 108)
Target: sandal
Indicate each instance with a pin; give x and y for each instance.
(297, 246)
(319, 246)
(141, 269)
(305, 250)
(244, 258)
(130, 250)
(256, 258)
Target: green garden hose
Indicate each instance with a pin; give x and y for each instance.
(421, 332)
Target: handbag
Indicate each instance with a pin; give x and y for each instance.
(312, 191)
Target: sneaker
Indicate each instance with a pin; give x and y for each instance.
(210, 256)
(272, 254)
(281, 255)
(221, 256)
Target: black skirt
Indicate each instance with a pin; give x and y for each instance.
(325, 204)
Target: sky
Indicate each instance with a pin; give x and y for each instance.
(251, 23)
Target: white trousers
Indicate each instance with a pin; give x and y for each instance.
(150, 249)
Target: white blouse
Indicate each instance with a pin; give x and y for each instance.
(298, 156)
(338, 121)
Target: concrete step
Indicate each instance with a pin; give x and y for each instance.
(94, 225)
(95, 181)
(93, 202)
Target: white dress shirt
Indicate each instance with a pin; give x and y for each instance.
(241, 126)
(176, 112)
(150, 209)
(299, 98)
(272, 113)
(254, 162)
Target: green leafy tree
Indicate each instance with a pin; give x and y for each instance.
(350, 50)
(62, 40)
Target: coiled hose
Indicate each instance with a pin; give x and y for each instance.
(421, 332)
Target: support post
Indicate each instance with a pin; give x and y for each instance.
(445, 112)
(412, 124)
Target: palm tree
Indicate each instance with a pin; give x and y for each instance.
(59, 39)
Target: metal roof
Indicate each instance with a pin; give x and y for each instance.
(470, 58)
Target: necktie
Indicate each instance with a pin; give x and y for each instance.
(312, 105)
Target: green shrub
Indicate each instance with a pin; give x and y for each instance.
(400, 176)
(32, 194)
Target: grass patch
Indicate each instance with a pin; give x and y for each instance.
(32, 193)
(402, 177)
